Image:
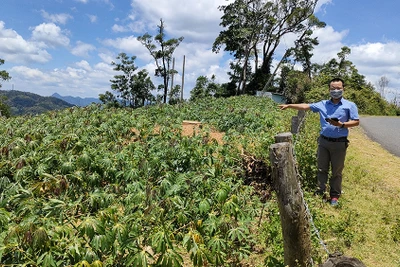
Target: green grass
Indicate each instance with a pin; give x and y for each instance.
(366, 224)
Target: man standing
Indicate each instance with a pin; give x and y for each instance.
(336, 116)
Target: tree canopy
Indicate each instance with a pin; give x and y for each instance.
(4, 108)
(133, 88)
(4, 75)
(253, 30)
(162, 55)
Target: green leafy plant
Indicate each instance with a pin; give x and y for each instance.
(123, 187)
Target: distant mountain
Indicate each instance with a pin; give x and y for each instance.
(22, 103)
(77, 101)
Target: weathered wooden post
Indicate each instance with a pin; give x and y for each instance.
(294, 218)
(297, 121)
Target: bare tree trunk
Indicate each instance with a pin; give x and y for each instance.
(172, 74)
(183, 76)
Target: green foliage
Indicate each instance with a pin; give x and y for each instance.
(294, 85)
(133, 89)
(396, 231)
(4, 108)
(252, 24)
(272, 235)
(206, 87)
(109, 99)
(124, 187)
(4, 75)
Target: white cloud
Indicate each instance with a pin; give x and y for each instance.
(197, 21)
(330, 43)
(14, 48)
(82, 49)
(129, 45)
(107, 57)
(50, 34)
(321, 4)
(377, 54)
(84, 65)
(373, 60)
(81, 80)
(93, 18)
(109, 3)
(32, 75)
(119, 28)
(56, 18)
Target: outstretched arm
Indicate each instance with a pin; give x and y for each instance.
(295, 106)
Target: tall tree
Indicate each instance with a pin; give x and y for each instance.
(207, 87)
(305, 44)
(260, 24)
(243, 23)
(143, 86)
(4, 76)
(340, 67)
(109, 99)
(133, 88)
(162, 55)
(294, 84)
(382, 84)
(200, 90)
(4, 108)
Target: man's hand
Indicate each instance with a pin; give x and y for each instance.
(294, 106)
(283, 106)
(334, 122)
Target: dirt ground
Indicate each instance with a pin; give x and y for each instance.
(194, 127)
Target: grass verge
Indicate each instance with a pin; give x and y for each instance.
(366, 224)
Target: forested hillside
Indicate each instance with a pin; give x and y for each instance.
(77, 101)
(22, 103)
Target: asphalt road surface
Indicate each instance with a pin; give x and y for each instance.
(383, 130)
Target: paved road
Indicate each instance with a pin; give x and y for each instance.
(383, 130)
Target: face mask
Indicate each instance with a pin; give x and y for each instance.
(336, 94)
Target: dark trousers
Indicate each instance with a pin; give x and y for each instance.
(330, 155)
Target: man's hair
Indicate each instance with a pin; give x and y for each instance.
(337, 79)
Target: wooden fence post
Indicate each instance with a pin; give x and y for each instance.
(294, 218)
(297, 121)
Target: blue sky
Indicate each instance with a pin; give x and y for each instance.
(66, 46)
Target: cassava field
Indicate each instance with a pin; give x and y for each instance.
(181, 185)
